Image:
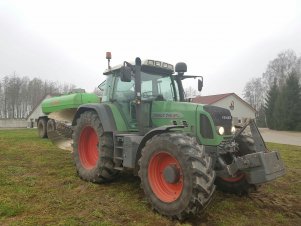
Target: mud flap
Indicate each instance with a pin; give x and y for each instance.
(261, 167)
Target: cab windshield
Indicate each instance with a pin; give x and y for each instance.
(153, 87)
(157, 87)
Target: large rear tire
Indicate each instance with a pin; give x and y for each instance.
(42, 127)
(93, 149)
(176, 175)
(238, 184)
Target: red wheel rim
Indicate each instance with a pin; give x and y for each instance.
(165, 191)
(234, 179)
(88, 151)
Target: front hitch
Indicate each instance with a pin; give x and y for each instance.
(260, 166)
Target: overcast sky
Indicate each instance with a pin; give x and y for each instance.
(227, 42)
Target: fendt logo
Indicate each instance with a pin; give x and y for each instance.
(226, 117)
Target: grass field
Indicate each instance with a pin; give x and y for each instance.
(39, 186)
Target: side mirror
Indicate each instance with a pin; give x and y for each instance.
(125, 74)
(200, 84)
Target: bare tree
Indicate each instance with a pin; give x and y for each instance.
(1, 100)
(66, 88)
(13, 92)
(190, 92)
(24, 99)
(254, 93)
(282, 66)
(36, 91)
(19, 95)
(277, 70)
(97, 91)
(5, 98)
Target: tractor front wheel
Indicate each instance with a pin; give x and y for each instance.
(235, 185)
(176, 175)
(93, 149)
(238, 184)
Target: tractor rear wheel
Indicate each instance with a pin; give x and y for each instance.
(42, 130)
(239, 184)
(93, 149)
(176, 175)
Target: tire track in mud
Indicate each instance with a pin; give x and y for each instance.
(287, 204)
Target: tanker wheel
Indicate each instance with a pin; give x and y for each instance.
(50, 126)
(42, 128)
(93, 149)
(238, 184)
(176, 175)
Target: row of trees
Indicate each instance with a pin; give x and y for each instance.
(283, 104)
(19, 95)
(277, 94)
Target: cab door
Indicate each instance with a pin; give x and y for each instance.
(123, 97)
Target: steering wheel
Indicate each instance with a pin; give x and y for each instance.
(148, 94)
(151, 96)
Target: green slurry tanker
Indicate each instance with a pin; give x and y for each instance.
(60, 112)
(180, 150)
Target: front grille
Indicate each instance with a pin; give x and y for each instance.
(221, 117)
(205, 127)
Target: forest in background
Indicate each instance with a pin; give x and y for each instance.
(19, 95)
(276, 95)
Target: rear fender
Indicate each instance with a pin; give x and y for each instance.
(104, 113)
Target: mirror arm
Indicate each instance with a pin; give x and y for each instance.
(191, 76)
(125, 63)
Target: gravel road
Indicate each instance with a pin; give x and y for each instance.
(281, 137)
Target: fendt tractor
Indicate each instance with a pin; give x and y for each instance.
(180, 150)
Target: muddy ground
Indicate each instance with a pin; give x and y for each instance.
(39, 186)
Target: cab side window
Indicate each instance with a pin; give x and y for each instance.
(124, 91)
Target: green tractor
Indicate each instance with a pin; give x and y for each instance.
(180, 150)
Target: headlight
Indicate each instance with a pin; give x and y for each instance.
(221, 130)
(233, 130)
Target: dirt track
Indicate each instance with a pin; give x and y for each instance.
(281, 137)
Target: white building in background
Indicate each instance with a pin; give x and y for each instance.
(32, 118)
(240, 109)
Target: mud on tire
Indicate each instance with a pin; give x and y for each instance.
(191, 191)
(50, 126)
(93, 149)
(238, 185)
(42, 127)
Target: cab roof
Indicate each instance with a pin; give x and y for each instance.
(147, 66)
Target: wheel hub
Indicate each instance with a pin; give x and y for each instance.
(165, 177)
(171, 174)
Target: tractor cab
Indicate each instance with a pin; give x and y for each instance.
(137, 89)
(156, 85)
